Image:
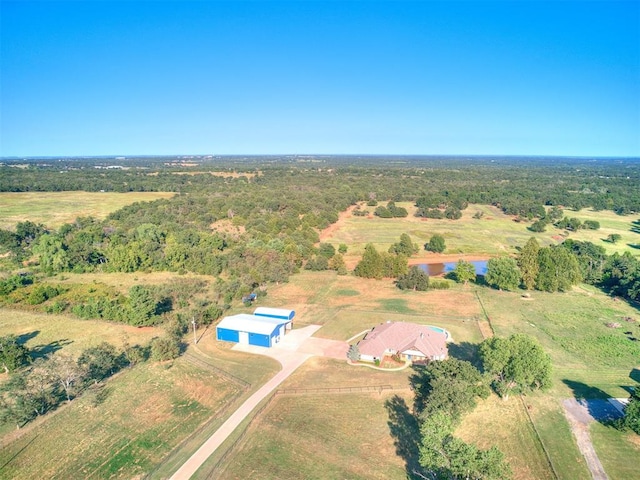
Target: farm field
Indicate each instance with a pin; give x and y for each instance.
(337, 435)
(514, 426)
(493, 234)
(122, 430)
(54, 209)
(49, 333)
(590, 359)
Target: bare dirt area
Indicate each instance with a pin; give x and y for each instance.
(328, 232)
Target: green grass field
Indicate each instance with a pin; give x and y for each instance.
(495, 233)
(54, 209)
(336, 436)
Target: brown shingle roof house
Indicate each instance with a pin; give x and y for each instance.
(408, 340)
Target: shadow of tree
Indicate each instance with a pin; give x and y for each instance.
(635, 375)
(43, 351)
(595, 400)
(405, 430)
(465, 351)
(635, 226)
(25, 337)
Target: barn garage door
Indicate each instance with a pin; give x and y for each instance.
(243, 338)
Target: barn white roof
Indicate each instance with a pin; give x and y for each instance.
(251, 323)
(275, 312)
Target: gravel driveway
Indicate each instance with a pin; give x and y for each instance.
(580, 413)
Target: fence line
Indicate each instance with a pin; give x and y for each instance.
(199, 362)
(236, 442)
(544, 448)
(331, 390)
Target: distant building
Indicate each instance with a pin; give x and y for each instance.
(409, 341)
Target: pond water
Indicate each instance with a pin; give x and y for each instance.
(435, 269)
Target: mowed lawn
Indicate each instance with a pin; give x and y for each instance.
(54, 209)
(122, 432)
(319, 437)
(493, 234)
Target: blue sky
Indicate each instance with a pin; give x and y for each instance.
(160, 77)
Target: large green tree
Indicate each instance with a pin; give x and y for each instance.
(464, 272)
(631, 419)
(435, 244)
(503, 273)
(558, 269)
(404, 247)
(444, 456)
(451, 386)
(517, 364)
(528, 263)
(370, 266)
(415, 279)
(13, 354)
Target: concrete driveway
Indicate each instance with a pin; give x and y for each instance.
(292, 351)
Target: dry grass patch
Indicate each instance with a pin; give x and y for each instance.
(48, 333)
(124, 281)
(511, 432)
(254, 369)
(142, 414)
(57, 208)
(319, 437)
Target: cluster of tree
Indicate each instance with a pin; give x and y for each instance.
(524, 185)
(327, 258)
(391, 211)
(555, 216)
(516, 364)
(447, 390)
(444, 392)
(621, 276)
(549, 269)
(379, 265)
(260, 228)
(38, 386)
(143, 306)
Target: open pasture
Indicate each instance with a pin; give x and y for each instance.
(319, 437)
(54, 209)
(493, 234)
(46, 333)
(123, 430)
(589, 358)
(347, 305)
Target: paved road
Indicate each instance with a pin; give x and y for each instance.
(295, 348)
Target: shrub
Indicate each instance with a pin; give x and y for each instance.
(439, 284)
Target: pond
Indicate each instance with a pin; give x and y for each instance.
(435, 269)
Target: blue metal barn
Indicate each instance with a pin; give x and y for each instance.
(251, 330)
